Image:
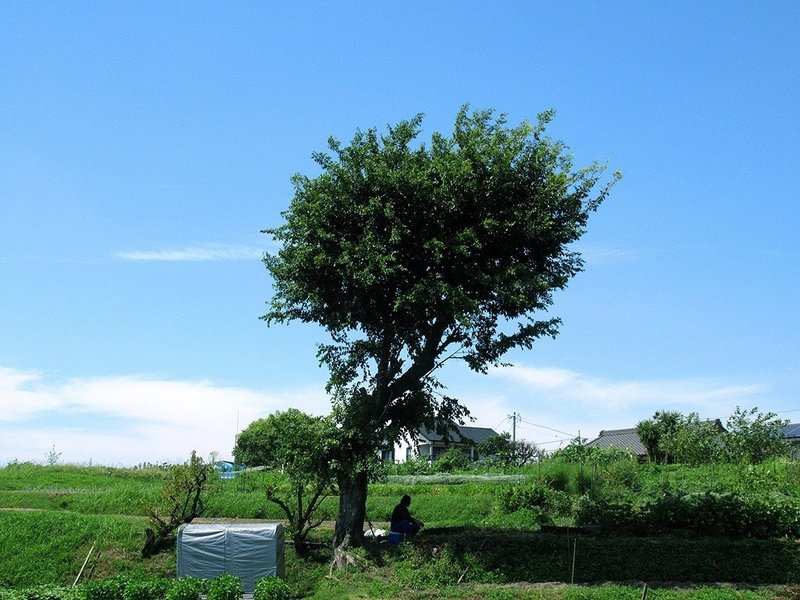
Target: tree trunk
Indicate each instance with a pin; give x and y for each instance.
(352, 511)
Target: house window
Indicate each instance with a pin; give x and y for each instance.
(387, 455)
(409, 452)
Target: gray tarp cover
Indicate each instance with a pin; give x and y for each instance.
(249, 550)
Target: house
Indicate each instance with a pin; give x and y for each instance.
(430, 444)
(791, 434)
(622, 439)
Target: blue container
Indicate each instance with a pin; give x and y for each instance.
(395, 538)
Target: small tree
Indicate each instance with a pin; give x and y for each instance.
(181, 501)
(653, 431)
(52, 457)
(753, 437)
(693, 441)
(454, 459)
(300, 447)
(517, 453)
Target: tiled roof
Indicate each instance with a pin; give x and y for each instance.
(477, 435)
(624, 439)
(791, 431)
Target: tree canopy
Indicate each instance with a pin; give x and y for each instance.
(749, 436)
(299, 447)
(409, 254)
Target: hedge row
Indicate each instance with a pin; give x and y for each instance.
(509, 556)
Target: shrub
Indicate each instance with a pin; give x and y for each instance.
(186, 588)
(546, 503)
(146, 589)
(707, 514)
(226, 587)
(44, 592)
(272, 588)
(105, 589)
(455, 459)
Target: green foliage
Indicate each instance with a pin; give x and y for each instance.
(749, 437)
(186, 588)
(454, 459)
(146, 589)
(301, 447)
(404, 252)
(225, 587)
(46, 592)
(272, 588)
(510, 556)
(700, 514)
(578, 452)
(693, 441)
(653, 431)
(499, 449)
(546, 503)
(182, 499)
(753, 437)
(112, 588)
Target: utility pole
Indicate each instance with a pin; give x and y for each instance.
(514, 417)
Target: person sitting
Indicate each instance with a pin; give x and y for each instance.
(402, 521)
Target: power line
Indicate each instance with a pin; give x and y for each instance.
(545, 427)
(500, 423)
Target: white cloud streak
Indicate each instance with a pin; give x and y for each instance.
(128, 420)
(576, 402)
(194, 254)
(578, 387)
(605, 255)
(131, 419)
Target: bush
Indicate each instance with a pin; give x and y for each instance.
(455, 459)
(544, 502)
(226, 587)
(272, 588)
(105, 589)
(44, 592)
(415, 465)
(706, 514)
(146, 589)
(186, 588)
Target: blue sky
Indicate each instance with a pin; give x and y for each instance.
(143, 146)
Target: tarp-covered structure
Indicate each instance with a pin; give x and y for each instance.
(249, 550)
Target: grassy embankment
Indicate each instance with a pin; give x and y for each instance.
(470, 548)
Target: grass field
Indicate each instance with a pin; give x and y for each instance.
(50, 516)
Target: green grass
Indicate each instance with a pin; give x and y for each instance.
(470, 548)
(50, 546)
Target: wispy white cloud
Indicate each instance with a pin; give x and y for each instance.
(605, 255)
(579, 387)
(572, 401)
(550, 398)
(194, 253)
(127, 420)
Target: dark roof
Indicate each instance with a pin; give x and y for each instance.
(791, 431)
(477, 435)
(624, 439)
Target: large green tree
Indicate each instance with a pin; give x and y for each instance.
(410, 254)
